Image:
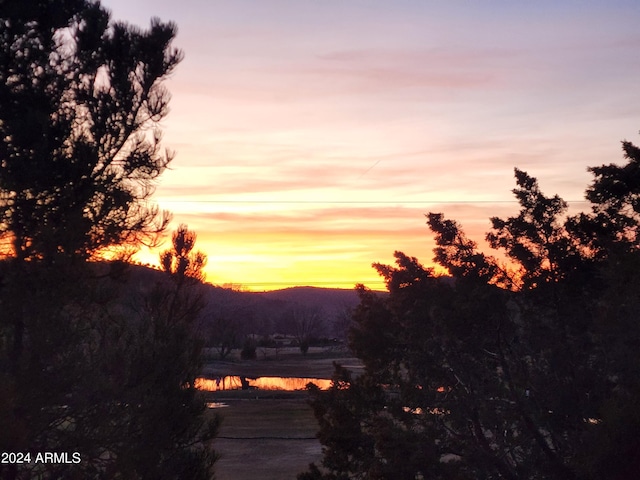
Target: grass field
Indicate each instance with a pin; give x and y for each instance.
(266, 439)
(290, 363)
(268, 435)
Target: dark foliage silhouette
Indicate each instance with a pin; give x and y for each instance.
(521, 370)
(87, 365)
(81, 96)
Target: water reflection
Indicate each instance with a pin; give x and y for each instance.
(261, 383)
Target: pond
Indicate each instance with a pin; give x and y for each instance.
(260, 383)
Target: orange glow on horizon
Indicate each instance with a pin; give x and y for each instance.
(309, 146)
(333, 253)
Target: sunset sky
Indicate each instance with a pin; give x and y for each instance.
(312, 137)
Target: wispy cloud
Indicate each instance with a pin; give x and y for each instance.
(290, 117)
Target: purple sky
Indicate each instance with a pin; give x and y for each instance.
(312, 137)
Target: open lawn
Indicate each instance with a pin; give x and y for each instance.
(266, 440)
(318, 363)
(267, 435)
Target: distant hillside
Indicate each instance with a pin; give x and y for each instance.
(332, 300)
(261, 312)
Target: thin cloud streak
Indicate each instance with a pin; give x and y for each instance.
(286, 114)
